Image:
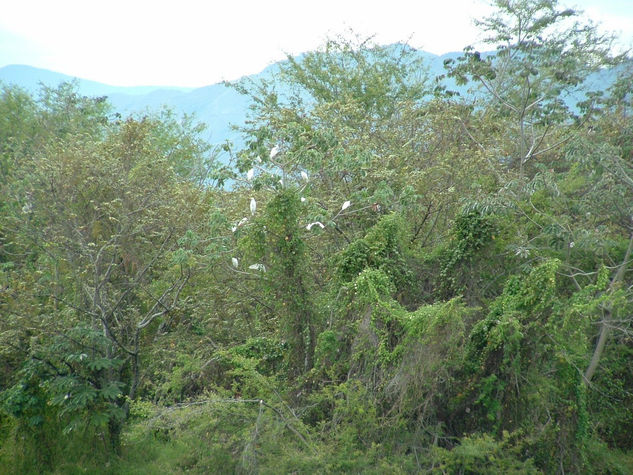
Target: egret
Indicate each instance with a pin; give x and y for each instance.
(346, 205)
(260, 267)
(303, 199)
(253, 205)
(242, 221)
(235, 262)
(274, 151)
(304, 175)
(317, 223)
(250, 174)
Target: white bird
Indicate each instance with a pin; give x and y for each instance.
(274, 151)
(346, 205)
(317, 223)
(304, 175)
(260, 267)
(253, 205)
(235, 262)
(250, 174)
(303, 199)
(241, 221)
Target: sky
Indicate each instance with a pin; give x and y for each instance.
(191, 43)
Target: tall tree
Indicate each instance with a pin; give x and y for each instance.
(536, 79)
(104, 222)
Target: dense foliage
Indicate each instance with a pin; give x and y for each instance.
(398, 278)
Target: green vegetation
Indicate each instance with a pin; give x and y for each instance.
(400, 279)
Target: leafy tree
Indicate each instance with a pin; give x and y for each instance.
(105, 229)
(280, 254)
(399, 279)
(537, 78)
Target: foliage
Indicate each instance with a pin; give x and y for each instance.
(537, 75)
(399, 279)
(473, 232)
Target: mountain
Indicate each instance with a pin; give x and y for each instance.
(30, 78)
(216, 105)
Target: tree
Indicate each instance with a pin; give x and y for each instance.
(103, 221)
(363, 122)
(536, 80)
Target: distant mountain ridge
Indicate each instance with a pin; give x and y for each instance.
(30, 77)
(216, 105)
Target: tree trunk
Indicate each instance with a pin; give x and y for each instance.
(605, 326)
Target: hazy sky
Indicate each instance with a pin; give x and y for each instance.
(196, 43)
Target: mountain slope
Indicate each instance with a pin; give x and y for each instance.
(216, 105)
(30, 78)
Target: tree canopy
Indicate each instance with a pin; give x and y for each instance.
(398, 278)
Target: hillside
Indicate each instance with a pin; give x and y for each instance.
(399, 280)
(30, 78)
(216, 105)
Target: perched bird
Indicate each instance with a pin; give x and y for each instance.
(260, 267)
(304, 175)
(274, 151)
(253, 205)
(250, 174)
(242, 221)
(235, 262)
(346, 205)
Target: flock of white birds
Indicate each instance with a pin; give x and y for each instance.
(250, 174)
